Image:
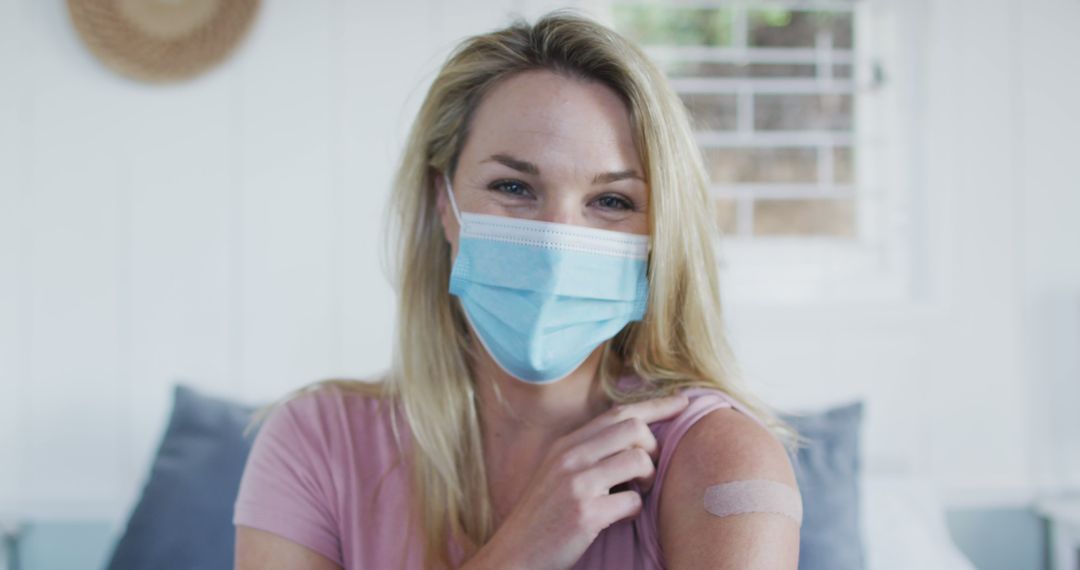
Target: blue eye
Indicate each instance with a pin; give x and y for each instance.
(511, 187)
(615, 202)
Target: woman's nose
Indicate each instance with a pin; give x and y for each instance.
(562, 212)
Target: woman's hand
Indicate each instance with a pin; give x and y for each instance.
(568, 502)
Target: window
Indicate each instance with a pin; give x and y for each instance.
(790, 105)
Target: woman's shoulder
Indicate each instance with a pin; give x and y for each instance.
(317, 448)
(718, 426)
(715, 438)
(703, 401)
(357, 399)
(720, 437)
(335, 418)
(714, 423)
(332, 402)
(722, 443)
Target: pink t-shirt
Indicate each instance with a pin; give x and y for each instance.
(324, 472)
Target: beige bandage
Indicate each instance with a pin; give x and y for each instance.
(754, 496)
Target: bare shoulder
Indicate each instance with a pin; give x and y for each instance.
(725, 445)
(256, 548)
(727, 442)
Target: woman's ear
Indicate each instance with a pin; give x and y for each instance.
(449, 223)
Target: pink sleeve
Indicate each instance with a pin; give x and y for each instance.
(287, 486)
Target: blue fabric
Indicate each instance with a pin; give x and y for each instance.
(828, 470)
(183, 519)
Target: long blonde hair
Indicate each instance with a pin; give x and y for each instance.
(679, 343)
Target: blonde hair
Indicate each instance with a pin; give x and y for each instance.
(680, 342)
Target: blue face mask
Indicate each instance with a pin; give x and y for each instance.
(542, 296)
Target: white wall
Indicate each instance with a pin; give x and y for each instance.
(1048, 99)
(226, 232)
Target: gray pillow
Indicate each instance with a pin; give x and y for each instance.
(183, 520)
(828, 469)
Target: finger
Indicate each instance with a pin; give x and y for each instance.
(648, 411)
(618, 506)
(626, 465)
(611, 439)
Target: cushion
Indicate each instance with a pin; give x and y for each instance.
(184, 517)
(828, 469)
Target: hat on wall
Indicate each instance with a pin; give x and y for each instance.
(162, 40)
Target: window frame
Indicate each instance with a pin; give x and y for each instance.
(881, 264)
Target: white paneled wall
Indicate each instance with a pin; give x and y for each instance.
(227, 232)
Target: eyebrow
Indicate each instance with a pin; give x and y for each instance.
(530, 168)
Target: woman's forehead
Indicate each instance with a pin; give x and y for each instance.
(547, 117)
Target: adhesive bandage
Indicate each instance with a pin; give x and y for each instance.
(754, 496)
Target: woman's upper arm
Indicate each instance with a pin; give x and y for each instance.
(261, 550)
(287, 490)
(725, 445)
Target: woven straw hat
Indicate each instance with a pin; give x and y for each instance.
(162, 40)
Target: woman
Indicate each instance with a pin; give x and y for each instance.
(559, 333)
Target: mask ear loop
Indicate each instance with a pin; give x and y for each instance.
(453, 203)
